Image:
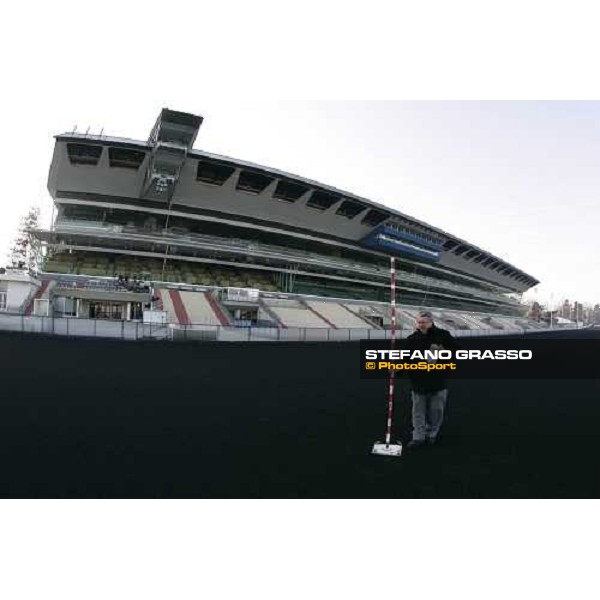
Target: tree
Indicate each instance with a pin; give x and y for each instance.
(535, 311)
(26, 252)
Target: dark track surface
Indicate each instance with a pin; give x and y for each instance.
(93, 418)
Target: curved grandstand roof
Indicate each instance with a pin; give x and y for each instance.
(451, 242)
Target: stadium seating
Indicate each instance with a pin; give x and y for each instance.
(450, 322)
(192, 308)
(164, 299)
(200, 310)
(475, 321)
(211, 275)
(293, 313)
(375, 315)
(367, 270)
(337, 314)
(193, 273)
(304, 257)
(284, 311)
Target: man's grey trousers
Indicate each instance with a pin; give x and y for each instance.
(428, 413)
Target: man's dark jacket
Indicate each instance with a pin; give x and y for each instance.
(432, 381)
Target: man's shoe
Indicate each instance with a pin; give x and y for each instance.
(431, 441)
(415, 443)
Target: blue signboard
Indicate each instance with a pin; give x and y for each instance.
(388, 239)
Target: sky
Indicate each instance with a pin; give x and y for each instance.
(517, 178)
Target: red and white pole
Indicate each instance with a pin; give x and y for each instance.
(388, 433)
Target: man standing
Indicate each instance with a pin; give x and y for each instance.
(429, 391)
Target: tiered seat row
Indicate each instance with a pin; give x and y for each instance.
(306, 257)
(338, 315)
(295, 314)
(191, 308)
(152, 269)
(200, 310)
(186, 307)
(453, 320)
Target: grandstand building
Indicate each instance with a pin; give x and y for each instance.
(156, 225)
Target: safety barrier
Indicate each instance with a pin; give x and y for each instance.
(135, 330)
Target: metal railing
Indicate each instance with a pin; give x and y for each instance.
(271, 250)
(136, 330)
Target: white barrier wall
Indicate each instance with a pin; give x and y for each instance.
(18, 287)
